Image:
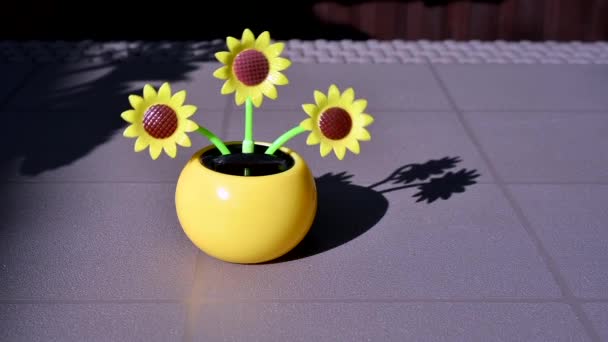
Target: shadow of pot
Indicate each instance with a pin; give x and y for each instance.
(246, 219)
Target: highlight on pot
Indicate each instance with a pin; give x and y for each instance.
(252, 69)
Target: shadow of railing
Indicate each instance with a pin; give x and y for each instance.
(346, 211)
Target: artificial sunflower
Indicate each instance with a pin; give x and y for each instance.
(252, 68)
(337, 121)
(159, 120)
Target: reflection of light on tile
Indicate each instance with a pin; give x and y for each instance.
(223, 194)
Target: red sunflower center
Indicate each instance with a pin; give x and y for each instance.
(335, 123)
(160, 121)
(251, 67)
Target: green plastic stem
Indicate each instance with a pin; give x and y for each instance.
(284, 138)
(214, 139)
(248, 141)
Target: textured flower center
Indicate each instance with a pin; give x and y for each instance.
(251, 67)
(335, 123)
(160, 121)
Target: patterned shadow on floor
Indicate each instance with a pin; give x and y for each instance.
(44, 140)
(346, 210)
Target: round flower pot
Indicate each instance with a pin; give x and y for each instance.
(249, 218)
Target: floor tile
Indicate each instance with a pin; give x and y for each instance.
(366, 244)
(398, 139)
(106, 87)
(92, 241)
(384, 86)
(89, 146)
(91, 322)
(203, 89)
(12, 76)
(598, 313)
(526, 87)
(388, 322)
(571, 221)
(544, 147)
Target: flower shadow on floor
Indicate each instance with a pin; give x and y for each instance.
(347, 210)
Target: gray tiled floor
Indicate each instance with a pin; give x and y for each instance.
(545, 147)
(598, 312)
(91, 249)
(92, 242)
(388, 322)
(91, 322)
(571, 221)
(517, 87)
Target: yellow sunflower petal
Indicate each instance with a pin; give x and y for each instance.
(340, 151)
(306, 124)
(333, 96)
(366, 119)
(183, 140)
(228, 87)
(248, 39)
(186, 111)
(271, 91)
(141, 143)
(320, 98)
(275, 49)
(363, 135)
(263, 40)
(280, 63)
(353, 146)
(257, 99)
(312, 139)
(149, 92)
(164, 93)
(131, 132)
(135, 101)
(128, 115)
(239, 97)
(178, 99)
(325, 149)
(348, 96)
(278, 78)
(224, 57)
(155, 149)
(170, 149)
(310, 109)
(190, 126)
(232, 43)
(359, 105)
(222, 73)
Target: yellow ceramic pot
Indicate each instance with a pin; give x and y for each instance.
(246, 219)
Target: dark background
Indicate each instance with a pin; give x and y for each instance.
(562, 20)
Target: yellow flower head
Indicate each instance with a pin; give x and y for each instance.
(159, 120)
(337, 121)
(252, 68)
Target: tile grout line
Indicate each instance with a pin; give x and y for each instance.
(390, 300)
(550, 263)
(195, 301)
(90, 301)
(496, 300)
